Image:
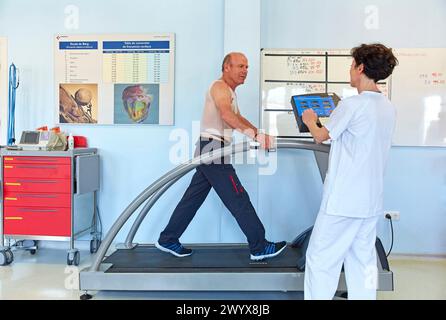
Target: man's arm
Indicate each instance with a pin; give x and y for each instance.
(246, 122)
(266, 141)
(222, 97)
(309, 117)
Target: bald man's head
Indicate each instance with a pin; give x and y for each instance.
(228, 59)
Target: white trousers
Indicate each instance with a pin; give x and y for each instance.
(335, 241)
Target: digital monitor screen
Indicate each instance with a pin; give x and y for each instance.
(30, 137)
(322, 103)
(323, 106)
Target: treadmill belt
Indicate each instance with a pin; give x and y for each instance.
(203, 259)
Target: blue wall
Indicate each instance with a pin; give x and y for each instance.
(133, 157)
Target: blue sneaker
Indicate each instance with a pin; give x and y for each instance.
(174, 248)
(271, 250)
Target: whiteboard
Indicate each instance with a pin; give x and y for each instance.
(419, 94)
(291, 72)
(417, 88)
(3, 89)
(114, 79)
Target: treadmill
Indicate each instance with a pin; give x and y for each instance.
(212, 267)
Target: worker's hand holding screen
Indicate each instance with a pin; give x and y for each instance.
(309, 117)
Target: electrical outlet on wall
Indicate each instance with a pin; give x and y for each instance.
(395, 215)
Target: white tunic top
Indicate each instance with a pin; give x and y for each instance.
(361, 129)
(212, 125)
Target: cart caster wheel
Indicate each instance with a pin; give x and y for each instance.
(94, 245)
(3, 258)
(73, 258)
(10, 256)
(77, 257)
(6, 257)
(86, 296)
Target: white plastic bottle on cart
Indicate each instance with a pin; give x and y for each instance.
(70, 142)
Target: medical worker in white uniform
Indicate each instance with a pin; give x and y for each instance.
(360, 129)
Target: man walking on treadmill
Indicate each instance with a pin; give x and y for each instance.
(220, 116)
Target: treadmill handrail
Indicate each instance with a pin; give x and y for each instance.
(143, 213)
(179, 171)
(287, 143)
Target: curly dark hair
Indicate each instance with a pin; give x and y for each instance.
(378, 60)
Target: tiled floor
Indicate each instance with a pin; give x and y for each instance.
(417, 278)
(46, 276)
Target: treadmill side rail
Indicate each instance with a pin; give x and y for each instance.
(210, 281)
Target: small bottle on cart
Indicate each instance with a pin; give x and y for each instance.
(70, 142)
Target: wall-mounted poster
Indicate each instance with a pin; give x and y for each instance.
(115, 79)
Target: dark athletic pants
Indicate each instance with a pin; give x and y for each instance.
(224, 180)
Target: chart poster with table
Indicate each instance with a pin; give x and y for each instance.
(115, 79)
(286, 73)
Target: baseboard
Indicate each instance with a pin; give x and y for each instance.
(413, 256)
(64, 245)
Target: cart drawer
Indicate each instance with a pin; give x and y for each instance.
(17, 199)
(36, 160)
(47, 171)
(37, 185)
(37, 221)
